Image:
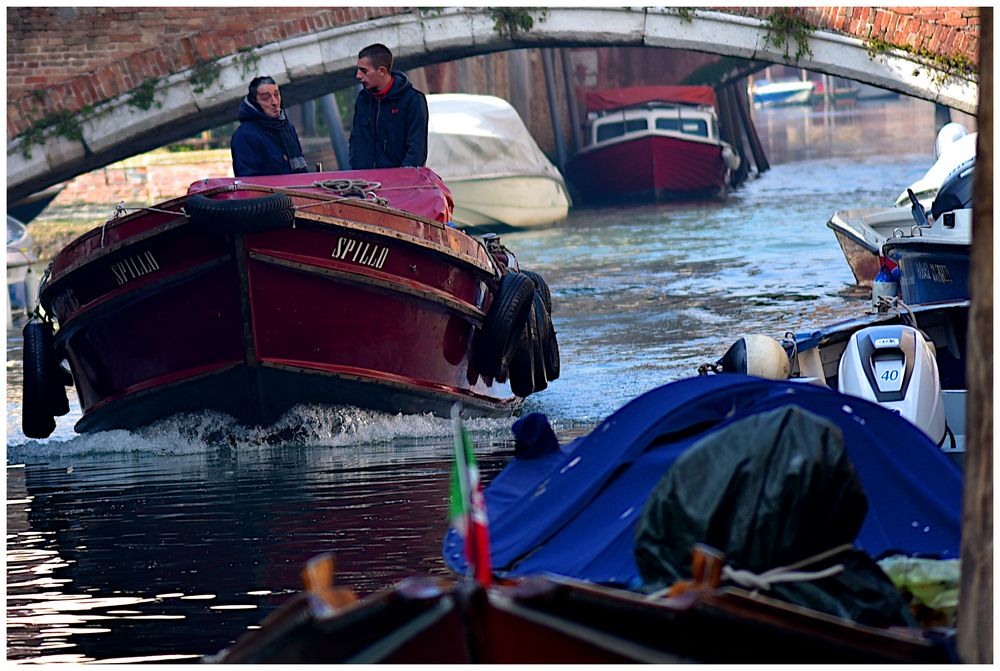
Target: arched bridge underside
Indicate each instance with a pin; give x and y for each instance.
(316, 62)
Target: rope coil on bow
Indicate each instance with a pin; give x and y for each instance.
(351, 188)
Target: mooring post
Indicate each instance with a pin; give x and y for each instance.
(548, 67)
(337, 139)
(743, 107)
(975, 602)
(309, 118)
(571, 103)
(729, 131)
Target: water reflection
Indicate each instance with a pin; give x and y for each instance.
(895, 126)
(120, 550)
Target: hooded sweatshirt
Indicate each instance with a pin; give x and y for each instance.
(390, 130)
(265, 146)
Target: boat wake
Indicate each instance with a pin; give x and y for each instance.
(303, 426)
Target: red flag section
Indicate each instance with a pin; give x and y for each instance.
(468, 506)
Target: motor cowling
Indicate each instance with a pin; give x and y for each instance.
(895, 366)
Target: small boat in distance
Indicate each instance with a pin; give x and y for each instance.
(249, 296)
(652, 143)
(498, 176)
(845, 94)
(765, 93)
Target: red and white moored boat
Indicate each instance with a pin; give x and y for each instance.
(652, 143)
(251, 295)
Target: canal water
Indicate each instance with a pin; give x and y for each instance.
(166, 544)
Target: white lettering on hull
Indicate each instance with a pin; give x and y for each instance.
(362, 253)
(133, 267)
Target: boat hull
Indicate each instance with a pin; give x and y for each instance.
(516, 201)
(649, 167)
(357, 304)
(555, 620)
(931, 270)
(861, 234)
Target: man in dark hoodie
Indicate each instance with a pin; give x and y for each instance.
(266, 142)
(390, 116)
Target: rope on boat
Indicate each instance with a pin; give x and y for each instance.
(350, 188)
(764, 581)
(120, 210)
(906, 313)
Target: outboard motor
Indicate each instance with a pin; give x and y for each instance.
(895, 367)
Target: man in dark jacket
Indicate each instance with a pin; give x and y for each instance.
(390, 116)
(266, 142)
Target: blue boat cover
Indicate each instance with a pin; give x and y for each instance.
(572, 510)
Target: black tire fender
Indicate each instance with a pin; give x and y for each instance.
(542, 287)
(546, 331)
(243, 215)
(527, 365)
(43, 395)
(504, 323)
(547, 341)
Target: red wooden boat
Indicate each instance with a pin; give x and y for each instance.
(558, 620)
(251, 295)
(652, 143)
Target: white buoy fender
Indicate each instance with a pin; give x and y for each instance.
(757, 355)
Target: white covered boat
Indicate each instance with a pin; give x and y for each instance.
(861, 232)
(498, 176)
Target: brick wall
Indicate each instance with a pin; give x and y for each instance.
(78, 56)
(945, 30)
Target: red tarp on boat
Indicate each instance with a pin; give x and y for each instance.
(609, 99)
(416, 190)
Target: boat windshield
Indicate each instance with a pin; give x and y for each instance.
(689, 126)
(607, 131)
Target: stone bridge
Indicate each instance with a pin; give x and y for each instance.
(87, 86)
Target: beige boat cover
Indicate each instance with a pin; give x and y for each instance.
(481, 136)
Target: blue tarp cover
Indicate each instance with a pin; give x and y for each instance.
(573, 511)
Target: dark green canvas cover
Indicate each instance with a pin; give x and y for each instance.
(769, 491)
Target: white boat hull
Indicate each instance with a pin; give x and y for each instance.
(519, 201)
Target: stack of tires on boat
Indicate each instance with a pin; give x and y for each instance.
(518, 342)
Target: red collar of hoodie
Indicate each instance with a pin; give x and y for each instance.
(381, 94)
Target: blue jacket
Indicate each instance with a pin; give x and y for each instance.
(257, 145)
(390, 132)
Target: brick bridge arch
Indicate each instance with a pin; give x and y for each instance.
(90, 86)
